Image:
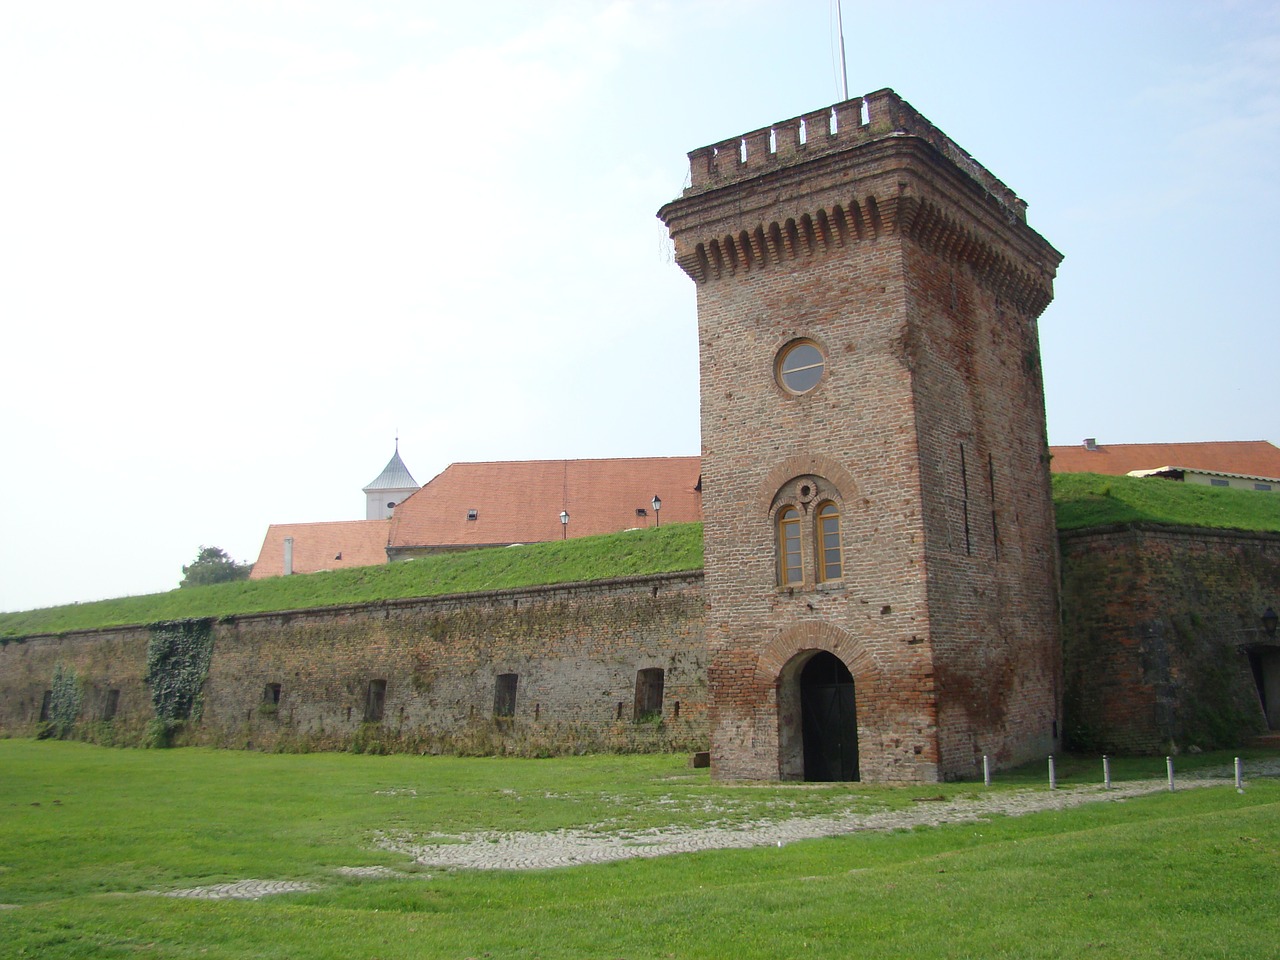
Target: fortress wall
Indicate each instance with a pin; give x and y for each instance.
(575, 651)
(1162, 635)
(104, 660)
(1163, 648)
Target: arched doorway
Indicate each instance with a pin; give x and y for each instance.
(829, 720)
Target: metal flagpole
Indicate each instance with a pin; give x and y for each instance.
(844, 67)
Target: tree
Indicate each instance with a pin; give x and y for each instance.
(213, 565)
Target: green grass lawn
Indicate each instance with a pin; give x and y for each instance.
(86, 832)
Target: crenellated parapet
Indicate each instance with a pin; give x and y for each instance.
(876, 116)
(858, 172)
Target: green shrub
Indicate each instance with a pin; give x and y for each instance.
(161, 733)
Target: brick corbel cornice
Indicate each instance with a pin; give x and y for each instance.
(827, 230)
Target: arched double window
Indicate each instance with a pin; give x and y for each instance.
(817, 540)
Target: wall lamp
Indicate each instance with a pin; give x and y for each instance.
(1269, 620)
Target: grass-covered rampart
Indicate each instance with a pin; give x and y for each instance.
(1091, 500)
(668, 549)
(1081, 500)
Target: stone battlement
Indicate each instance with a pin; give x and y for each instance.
(876, 116)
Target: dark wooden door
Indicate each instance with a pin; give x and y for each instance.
(829, 715)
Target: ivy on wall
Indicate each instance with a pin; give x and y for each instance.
(65, 698)
(178, 656)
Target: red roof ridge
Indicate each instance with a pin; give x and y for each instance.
(1246, 458)
(462, 463)
(320, 523)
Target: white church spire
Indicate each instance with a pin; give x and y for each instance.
(392, 485)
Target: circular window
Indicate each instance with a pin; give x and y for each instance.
(800, 366)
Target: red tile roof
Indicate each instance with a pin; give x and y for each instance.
(521, 501)
(323, 546)
(1250, 458)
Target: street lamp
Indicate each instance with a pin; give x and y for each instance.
(564, 524)
(657, 505)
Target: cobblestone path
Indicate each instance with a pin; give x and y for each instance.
(242, 890)
(562, 848)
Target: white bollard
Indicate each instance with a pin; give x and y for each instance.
(1053, 775)
(986, 770)
(1239, 776)
(1168, 762)
(1106, 772)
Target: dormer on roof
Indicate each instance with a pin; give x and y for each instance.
(392, 485)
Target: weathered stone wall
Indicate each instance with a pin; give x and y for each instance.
(103, 661)
(1159, 625)
(575, 649)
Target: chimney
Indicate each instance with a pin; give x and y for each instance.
(1091, 444)
(288, 556)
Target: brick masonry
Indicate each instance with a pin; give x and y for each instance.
(1162, 634)
(912, 269)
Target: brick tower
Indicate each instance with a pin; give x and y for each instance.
(880, 542)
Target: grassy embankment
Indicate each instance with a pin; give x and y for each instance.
(666, 549)
(89, 832)
(1082, 500)
(1090, 500)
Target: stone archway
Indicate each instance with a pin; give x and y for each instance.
(817, 719)
(845, 663)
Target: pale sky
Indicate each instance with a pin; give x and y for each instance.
(243, 245)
